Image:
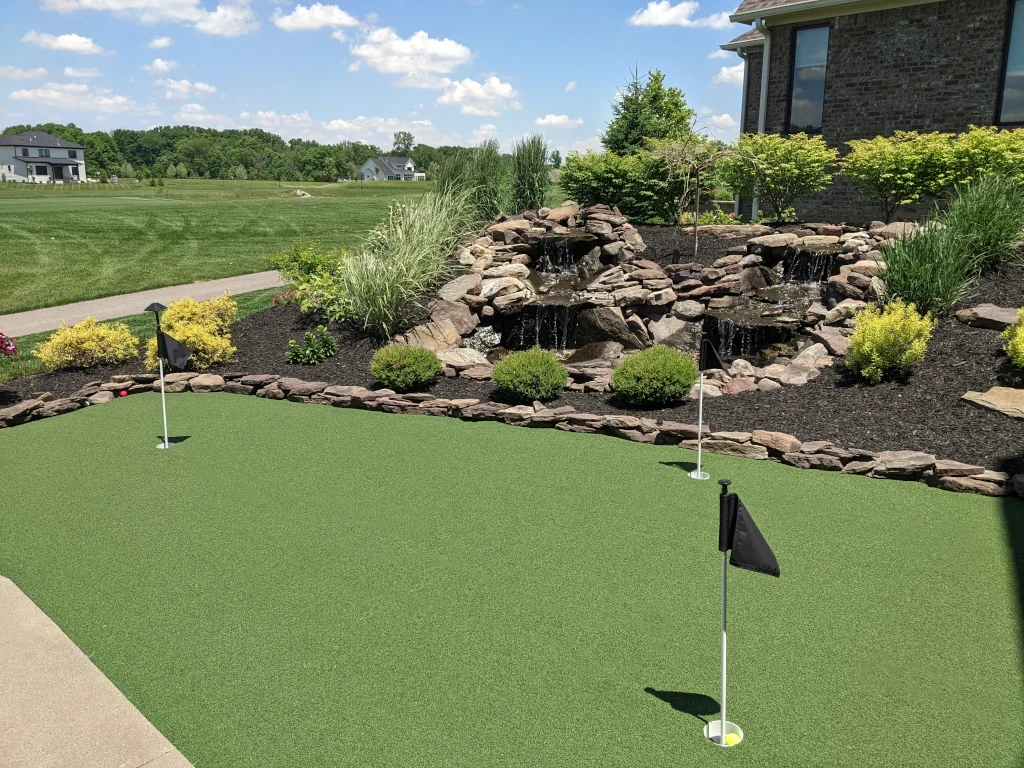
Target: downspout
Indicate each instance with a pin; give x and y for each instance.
(743, 118)
(762, 115)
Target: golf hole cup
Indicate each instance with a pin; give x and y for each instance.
(733, 733)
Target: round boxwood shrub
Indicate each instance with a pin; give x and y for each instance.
(531, 375)
(888, 343)
(403, 368)
(656, 376)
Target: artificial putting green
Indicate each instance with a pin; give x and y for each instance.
(303, 586)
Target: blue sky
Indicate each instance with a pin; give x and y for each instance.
(451, 72)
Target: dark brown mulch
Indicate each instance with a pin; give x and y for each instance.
(924, 413)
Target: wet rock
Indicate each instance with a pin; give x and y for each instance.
(511, 302)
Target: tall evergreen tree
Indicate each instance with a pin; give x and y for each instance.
(646, 110)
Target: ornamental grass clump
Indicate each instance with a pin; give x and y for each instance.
(87, 344)
(987, 218)
(889, 342)
(534, 374)
(404, 368)
(203, 326)
(1013, 342)
(930, 269)
(656, 376)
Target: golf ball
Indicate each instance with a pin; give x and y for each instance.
(124, 393)
(731, 739)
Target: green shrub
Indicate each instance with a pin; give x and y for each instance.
(528, 173)
(930, 269)
(318, 347)
(656, 376)
(403, 368)
(778, 170)
(87, 344)
(302, 260)
(900, 169)
(1013, 338)
(987, 217)
(323, 294)
(713, 215)
(204, 326)
(531, 375)
(402, 257)
(981, 151)
(889, 342)
(481, 174)
(640, 184)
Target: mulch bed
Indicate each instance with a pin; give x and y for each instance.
(924, 413)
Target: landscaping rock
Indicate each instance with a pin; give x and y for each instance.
(1018, 484)
(767, 385)
(460, 286)
(605, 324)
(511, 302)
(207, 382)
(978, 485)
(301, 388)
(946, 468)
(895, 230)
(509, 269)
(813, 461)
(462, 358)
(1005, 400)
(599, 353)
(435, 335)
(106, 397)
(902, 464)
(988, 316)
(457, 312)
(57, 407)
(500, 285)
(834, 340)
(688, 310)
(739, 385)
(20, 412)
(777, 442)
(238, 388)
(730, 448)
(258, 379)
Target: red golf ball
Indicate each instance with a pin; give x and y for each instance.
(124, 393)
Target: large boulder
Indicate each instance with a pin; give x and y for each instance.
(206, 382)
(499, 285)
(605, 324)
(435, 335)
(462, 358)
(457, 312)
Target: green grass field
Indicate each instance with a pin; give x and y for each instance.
(60, 244)
(141, 326)
(300, 586)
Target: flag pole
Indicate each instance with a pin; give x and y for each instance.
(156, 308)
(697, 474)
(722, 721)
(163, 405)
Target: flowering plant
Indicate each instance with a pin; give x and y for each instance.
(7, 346)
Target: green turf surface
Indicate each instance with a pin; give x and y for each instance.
(60, 244)
(297, 586)
(141, 326)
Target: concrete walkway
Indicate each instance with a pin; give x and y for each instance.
(39, 320)
(57, 709)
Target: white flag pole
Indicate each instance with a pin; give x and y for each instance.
(721, 728)
(697, 474)
(163, 404)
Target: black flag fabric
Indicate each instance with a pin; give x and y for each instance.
(173, 351)
(709, 356)
(738, 531)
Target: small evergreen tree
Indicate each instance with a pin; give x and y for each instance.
(646, 110)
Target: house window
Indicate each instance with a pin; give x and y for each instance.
(1011, 108)
(24, 151)
(44, 153)
(40, 170)
(72, 154)
(807, 102)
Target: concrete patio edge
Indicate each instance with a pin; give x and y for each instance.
(49, 318)
(58, 710)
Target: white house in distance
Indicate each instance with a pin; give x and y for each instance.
(39, 158)
(390, 169)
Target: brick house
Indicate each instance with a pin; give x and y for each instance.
(853, 69)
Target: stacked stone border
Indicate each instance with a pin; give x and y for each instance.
(759, 444)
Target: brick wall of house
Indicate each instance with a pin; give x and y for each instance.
(931, 67)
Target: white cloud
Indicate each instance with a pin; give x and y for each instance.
(228, 19)
(730, 75)
(160, 66)
(182, 89)
(486, 131)
(82, 72)
(163, 41)
(68, 43)
(378, 130)
(491, 97)
(14, 73)
(724, 123)
(720, 54)
(661, 13)
(559, 121)
(315, 16)
(570, 86)
(273, 121)
(587, 144)
(79, 96)
(386, 52)
(197, 114)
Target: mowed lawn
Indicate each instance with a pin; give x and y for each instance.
(296, 586)
(60, 244)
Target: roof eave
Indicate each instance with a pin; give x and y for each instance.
(807, 5)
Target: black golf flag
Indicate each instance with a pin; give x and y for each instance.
(709, 357)
(173, 351)
(738, 531)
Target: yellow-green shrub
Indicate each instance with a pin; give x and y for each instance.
(204, 326)
(87, 344)
(888, 342)
(1014, 338)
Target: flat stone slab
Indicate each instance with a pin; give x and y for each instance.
(1006, 400)
(57, 708)
(988, 316)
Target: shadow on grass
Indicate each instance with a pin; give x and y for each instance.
(686, 466)
(1013, 522)
(174, 440)
(696, 704)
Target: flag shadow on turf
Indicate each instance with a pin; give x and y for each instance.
(686, 466)
(1013, 521)
(695, 704)
(174, 440)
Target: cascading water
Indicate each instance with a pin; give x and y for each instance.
(810, 266)
(551, 326)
